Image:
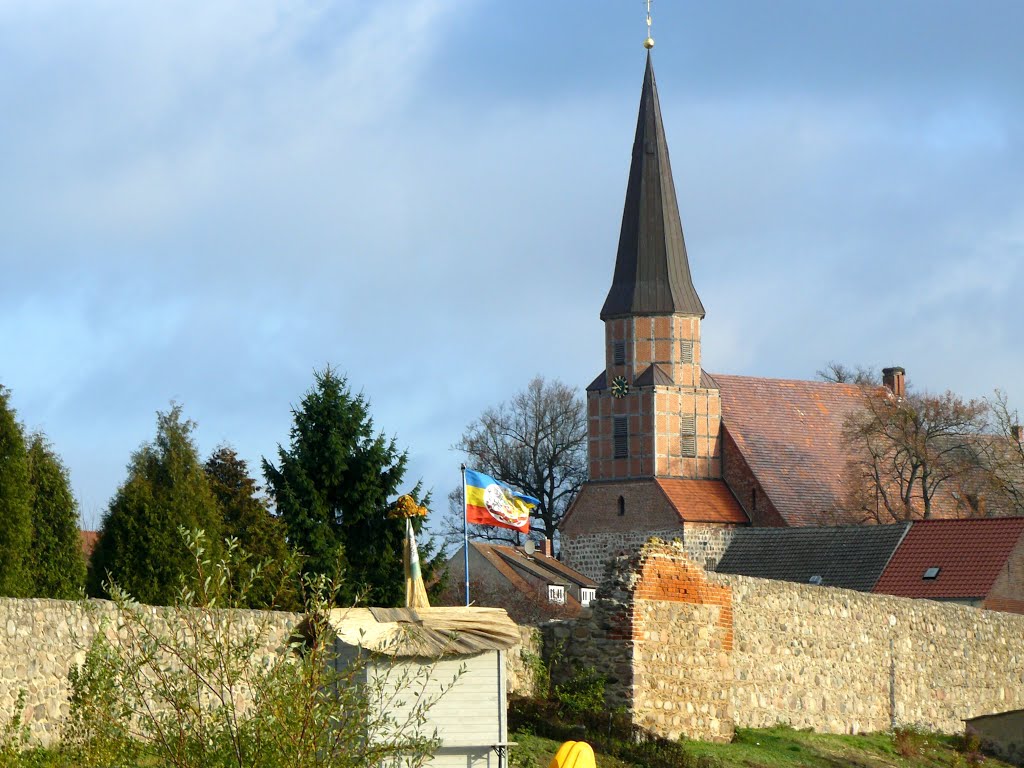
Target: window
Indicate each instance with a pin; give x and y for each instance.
(618, 352)
(688, 424)
(556, 594)
(931, 573)
(587, 596)
(816, 580)
(620, 435)
(685, 351)
(688, 446)
(622, 506)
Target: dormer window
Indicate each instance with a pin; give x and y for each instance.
(587, 596)
(556, 594)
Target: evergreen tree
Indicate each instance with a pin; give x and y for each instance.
(56, 560)
(15, 504)
(246, 517)
(140, 546)
(332, 487)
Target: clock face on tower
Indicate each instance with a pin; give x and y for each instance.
(620, 388)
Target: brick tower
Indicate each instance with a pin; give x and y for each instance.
(654, 416)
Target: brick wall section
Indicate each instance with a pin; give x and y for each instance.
(741, 481)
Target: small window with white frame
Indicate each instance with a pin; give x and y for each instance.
(587, 595)
(556, 594)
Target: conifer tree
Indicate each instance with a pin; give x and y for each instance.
(245, 516)
(15, 504)
(140, 546)
(56, 560)
(332, 487)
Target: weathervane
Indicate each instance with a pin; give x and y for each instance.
(649, 42)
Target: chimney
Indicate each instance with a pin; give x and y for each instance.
(546, 548)
(1016, 433)
(895, 379)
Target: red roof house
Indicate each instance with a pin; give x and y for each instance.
(979, 562)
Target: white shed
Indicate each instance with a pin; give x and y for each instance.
(453, 658)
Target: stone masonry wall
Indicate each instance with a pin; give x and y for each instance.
(41, 640)
(694, 653)
(842, 661)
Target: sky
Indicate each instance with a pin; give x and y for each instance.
(205, 202)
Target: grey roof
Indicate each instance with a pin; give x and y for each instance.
(654, 375)
(652, 274)
(848, 557)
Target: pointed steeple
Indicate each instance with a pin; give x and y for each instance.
(652, 274)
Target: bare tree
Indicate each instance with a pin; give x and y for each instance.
(1002, 455)
(536, 442)
(909, 449)
(840, 373)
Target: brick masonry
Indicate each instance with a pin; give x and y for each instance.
(695, 654)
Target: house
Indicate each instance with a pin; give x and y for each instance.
(675, 451)
(440, 671)
(979, 562)
(527, 581)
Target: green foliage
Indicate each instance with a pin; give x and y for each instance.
(246, 517)
(192, 687)
(582, 693)
(332, 487)
(56, 560)
(139, 546)
(15, 505)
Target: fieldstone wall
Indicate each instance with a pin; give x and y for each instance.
(41, 640)
(592, 553)
(842, 661)
(521, 662)
(696, 654)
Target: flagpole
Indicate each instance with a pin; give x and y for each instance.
(465, 530)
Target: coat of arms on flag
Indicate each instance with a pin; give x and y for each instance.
(492, 502)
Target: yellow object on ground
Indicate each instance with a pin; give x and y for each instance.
(574, 754)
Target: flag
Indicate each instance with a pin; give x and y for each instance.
(492, 502)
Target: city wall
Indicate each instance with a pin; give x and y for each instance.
(42, 640)
(697, 654)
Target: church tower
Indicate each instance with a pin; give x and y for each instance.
(654, 417)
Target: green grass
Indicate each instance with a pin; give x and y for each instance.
(781, 747)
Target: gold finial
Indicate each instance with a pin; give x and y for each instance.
(649, 42)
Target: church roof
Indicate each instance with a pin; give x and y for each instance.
(702, 501)
(790, 434)
(848, 557)
(652, 273)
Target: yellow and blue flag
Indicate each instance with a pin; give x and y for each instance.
(492, 502)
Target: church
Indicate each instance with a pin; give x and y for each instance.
(674, 451)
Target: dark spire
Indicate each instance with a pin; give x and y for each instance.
(652, 274)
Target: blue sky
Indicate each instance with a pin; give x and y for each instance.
(204, 201)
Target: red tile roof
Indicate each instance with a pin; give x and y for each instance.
(968, 553)
(702, 501)
(791, 436)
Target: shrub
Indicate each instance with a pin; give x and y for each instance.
(582, 693)
(909, 740)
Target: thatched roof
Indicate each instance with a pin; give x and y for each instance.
(425, 632)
